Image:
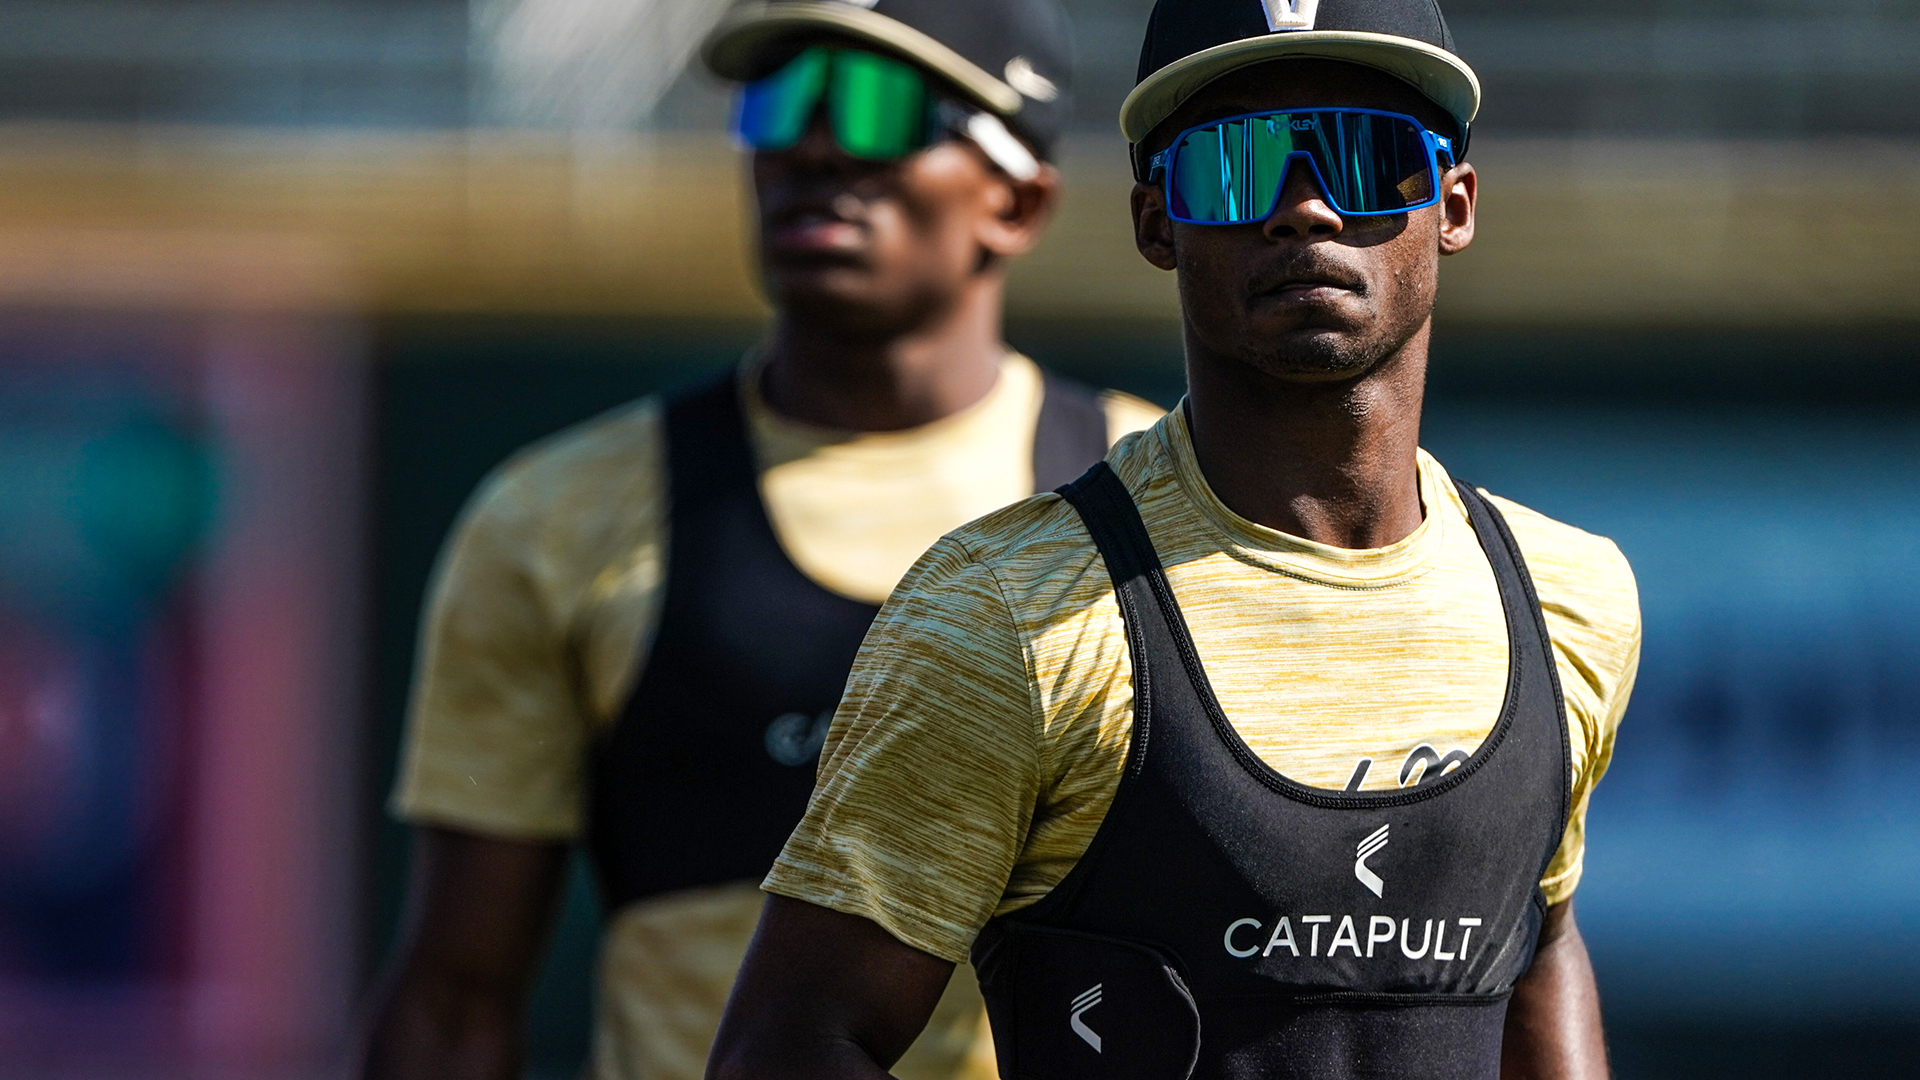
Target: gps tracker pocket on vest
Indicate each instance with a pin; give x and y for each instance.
(1078, 1006)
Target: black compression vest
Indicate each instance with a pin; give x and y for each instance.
(712, 760)
(1227, 922)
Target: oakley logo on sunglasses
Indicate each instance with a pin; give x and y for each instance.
(1290, 14)
(1305, 125)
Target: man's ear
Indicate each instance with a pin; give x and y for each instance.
(1020, 213)
(1459, 190)
(1152, 228)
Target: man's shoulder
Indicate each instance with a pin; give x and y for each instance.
(1044, 534)
(1575, 572)
(1033, 535)
(1043, 561)
(607, 467)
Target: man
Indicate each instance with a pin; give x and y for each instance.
(640, 628)
(1265, 750)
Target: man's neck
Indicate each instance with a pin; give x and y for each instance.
(825, 374)
(1336, 463)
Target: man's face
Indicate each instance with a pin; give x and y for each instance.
(1308, 294)
(877, 246)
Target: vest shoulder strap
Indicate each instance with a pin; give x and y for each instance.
(1517, 591)
(1108, 510)
(1072, 431)
(708, 453)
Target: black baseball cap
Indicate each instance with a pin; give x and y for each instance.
(1012, 58)
(1190, 43)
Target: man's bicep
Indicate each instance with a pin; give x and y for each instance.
(495, 732)
(824, 993)
(931, 770)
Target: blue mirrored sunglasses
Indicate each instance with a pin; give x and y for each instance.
(1367, 162)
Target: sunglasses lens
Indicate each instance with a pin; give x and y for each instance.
(1368, 163)
(878, 105)
(774, 111)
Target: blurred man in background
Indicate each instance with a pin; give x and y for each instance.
(641, 626)
(1265, 752)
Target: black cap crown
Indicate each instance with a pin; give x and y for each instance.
(1189, 43)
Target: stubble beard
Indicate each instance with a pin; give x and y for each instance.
(1333, 354)
(1328, 355)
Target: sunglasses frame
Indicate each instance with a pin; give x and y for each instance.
(943, 119)
(946, 118)
(1435, 145)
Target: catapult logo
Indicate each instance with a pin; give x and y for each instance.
(1360, 935)
(1087, 1000)
(1290, 14)
(1365, 850)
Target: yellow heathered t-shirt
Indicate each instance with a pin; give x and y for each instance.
(986, 724)
(543, 609)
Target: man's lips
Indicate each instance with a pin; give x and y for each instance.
(815, 230)
(1306, 292)
(1306, 288)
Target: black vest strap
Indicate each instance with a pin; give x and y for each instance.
(1072, 431)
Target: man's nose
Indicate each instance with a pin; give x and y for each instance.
(1302, 209)
(817, 148)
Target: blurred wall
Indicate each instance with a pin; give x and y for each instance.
(180, 621)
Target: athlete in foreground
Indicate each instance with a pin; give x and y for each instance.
(641, 626)
(1265, 751)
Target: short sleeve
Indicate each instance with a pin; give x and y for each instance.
(1563, 873)
(931, 770)
(496, 732)
(1592, 607)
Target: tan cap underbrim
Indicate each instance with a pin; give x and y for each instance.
(1435, 72)
(731, 50)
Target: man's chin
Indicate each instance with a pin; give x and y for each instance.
(821, 283)
(1314, 354)
(849, 300)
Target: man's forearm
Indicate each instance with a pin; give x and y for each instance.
(1553, 1022)
(782, 1054)
(478, 920)
(422, 1032)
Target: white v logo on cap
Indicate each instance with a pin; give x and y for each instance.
(1290, 14)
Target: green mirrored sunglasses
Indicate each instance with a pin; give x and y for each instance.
(879, 108)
